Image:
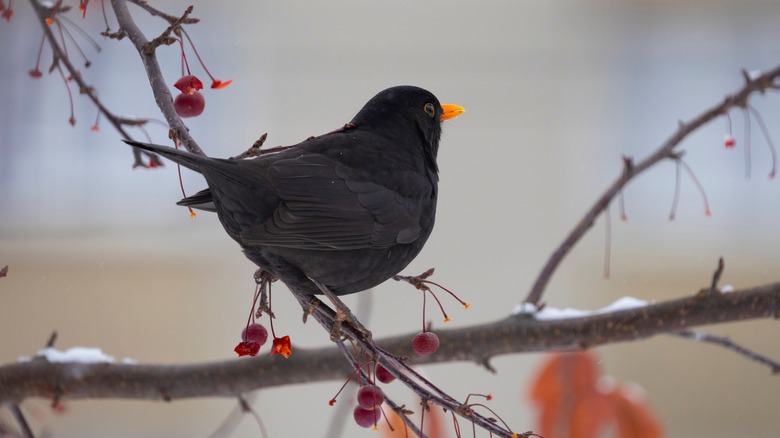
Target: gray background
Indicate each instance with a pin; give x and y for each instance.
(555, 93)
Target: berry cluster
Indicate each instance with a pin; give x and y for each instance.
(254, 334)
(190, 102)
(252, 338)
(369, 399)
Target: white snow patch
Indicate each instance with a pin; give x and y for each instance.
(754, 74)
(623, 303)
(696, 335)
(524, 308)
(76, 354)
(726, 288)
(546, 313)
(555, 313)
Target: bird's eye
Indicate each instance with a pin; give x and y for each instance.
(429, 109)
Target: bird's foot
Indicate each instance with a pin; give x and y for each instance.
(264, 279)
(343, 315)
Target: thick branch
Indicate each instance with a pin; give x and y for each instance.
(761, 83)
(513, 334)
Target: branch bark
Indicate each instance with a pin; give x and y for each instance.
(510, 335)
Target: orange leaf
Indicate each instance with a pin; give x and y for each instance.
(570, 405)
(634, 418)
(397, 428)
(434, 424)
(569, 372)
(282, 346)
(589, 416)
(563, 381)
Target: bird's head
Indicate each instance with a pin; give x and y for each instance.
(410, 114)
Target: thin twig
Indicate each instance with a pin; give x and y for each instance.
(727, 343)
(739, 99)
(143, 4)
(60, 55)
(84, 88)
(770, 144)
(19, 416)
(246, 407)
(716, 275)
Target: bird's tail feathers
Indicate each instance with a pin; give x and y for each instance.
(186, 159)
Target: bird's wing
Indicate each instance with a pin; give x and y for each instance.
(327, 205)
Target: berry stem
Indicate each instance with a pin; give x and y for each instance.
(83, 34)
(676, 198)
(746, 116)
(67, 33)
(185, 66)
(768, 138)
(40, 53)
(251, 317)
(463, 303)
(62, 39)
(423, 312)
(446, 317)
(183, 193)
(197, 55)
(72, 118)
(695, 180)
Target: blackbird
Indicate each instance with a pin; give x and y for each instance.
(345, 210)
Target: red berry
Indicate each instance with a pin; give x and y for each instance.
(366, 417)
(383, 375)
(255, 333)
(729, 141)
(188, 84)
(189, 105)
(370, 397)
(425, 343)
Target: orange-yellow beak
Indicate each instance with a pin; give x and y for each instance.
(450, 111)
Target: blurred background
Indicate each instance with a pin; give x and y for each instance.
(555, 93)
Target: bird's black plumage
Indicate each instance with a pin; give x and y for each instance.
(349, 209)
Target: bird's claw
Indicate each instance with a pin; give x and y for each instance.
(343, 314)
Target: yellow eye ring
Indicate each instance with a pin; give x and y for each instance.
(430, 110)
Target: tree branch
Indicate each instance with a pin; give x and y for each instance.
(725, 342)
(514, 334)
(59, 56)
(162, 94)
(761, 83)
(42, 13)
